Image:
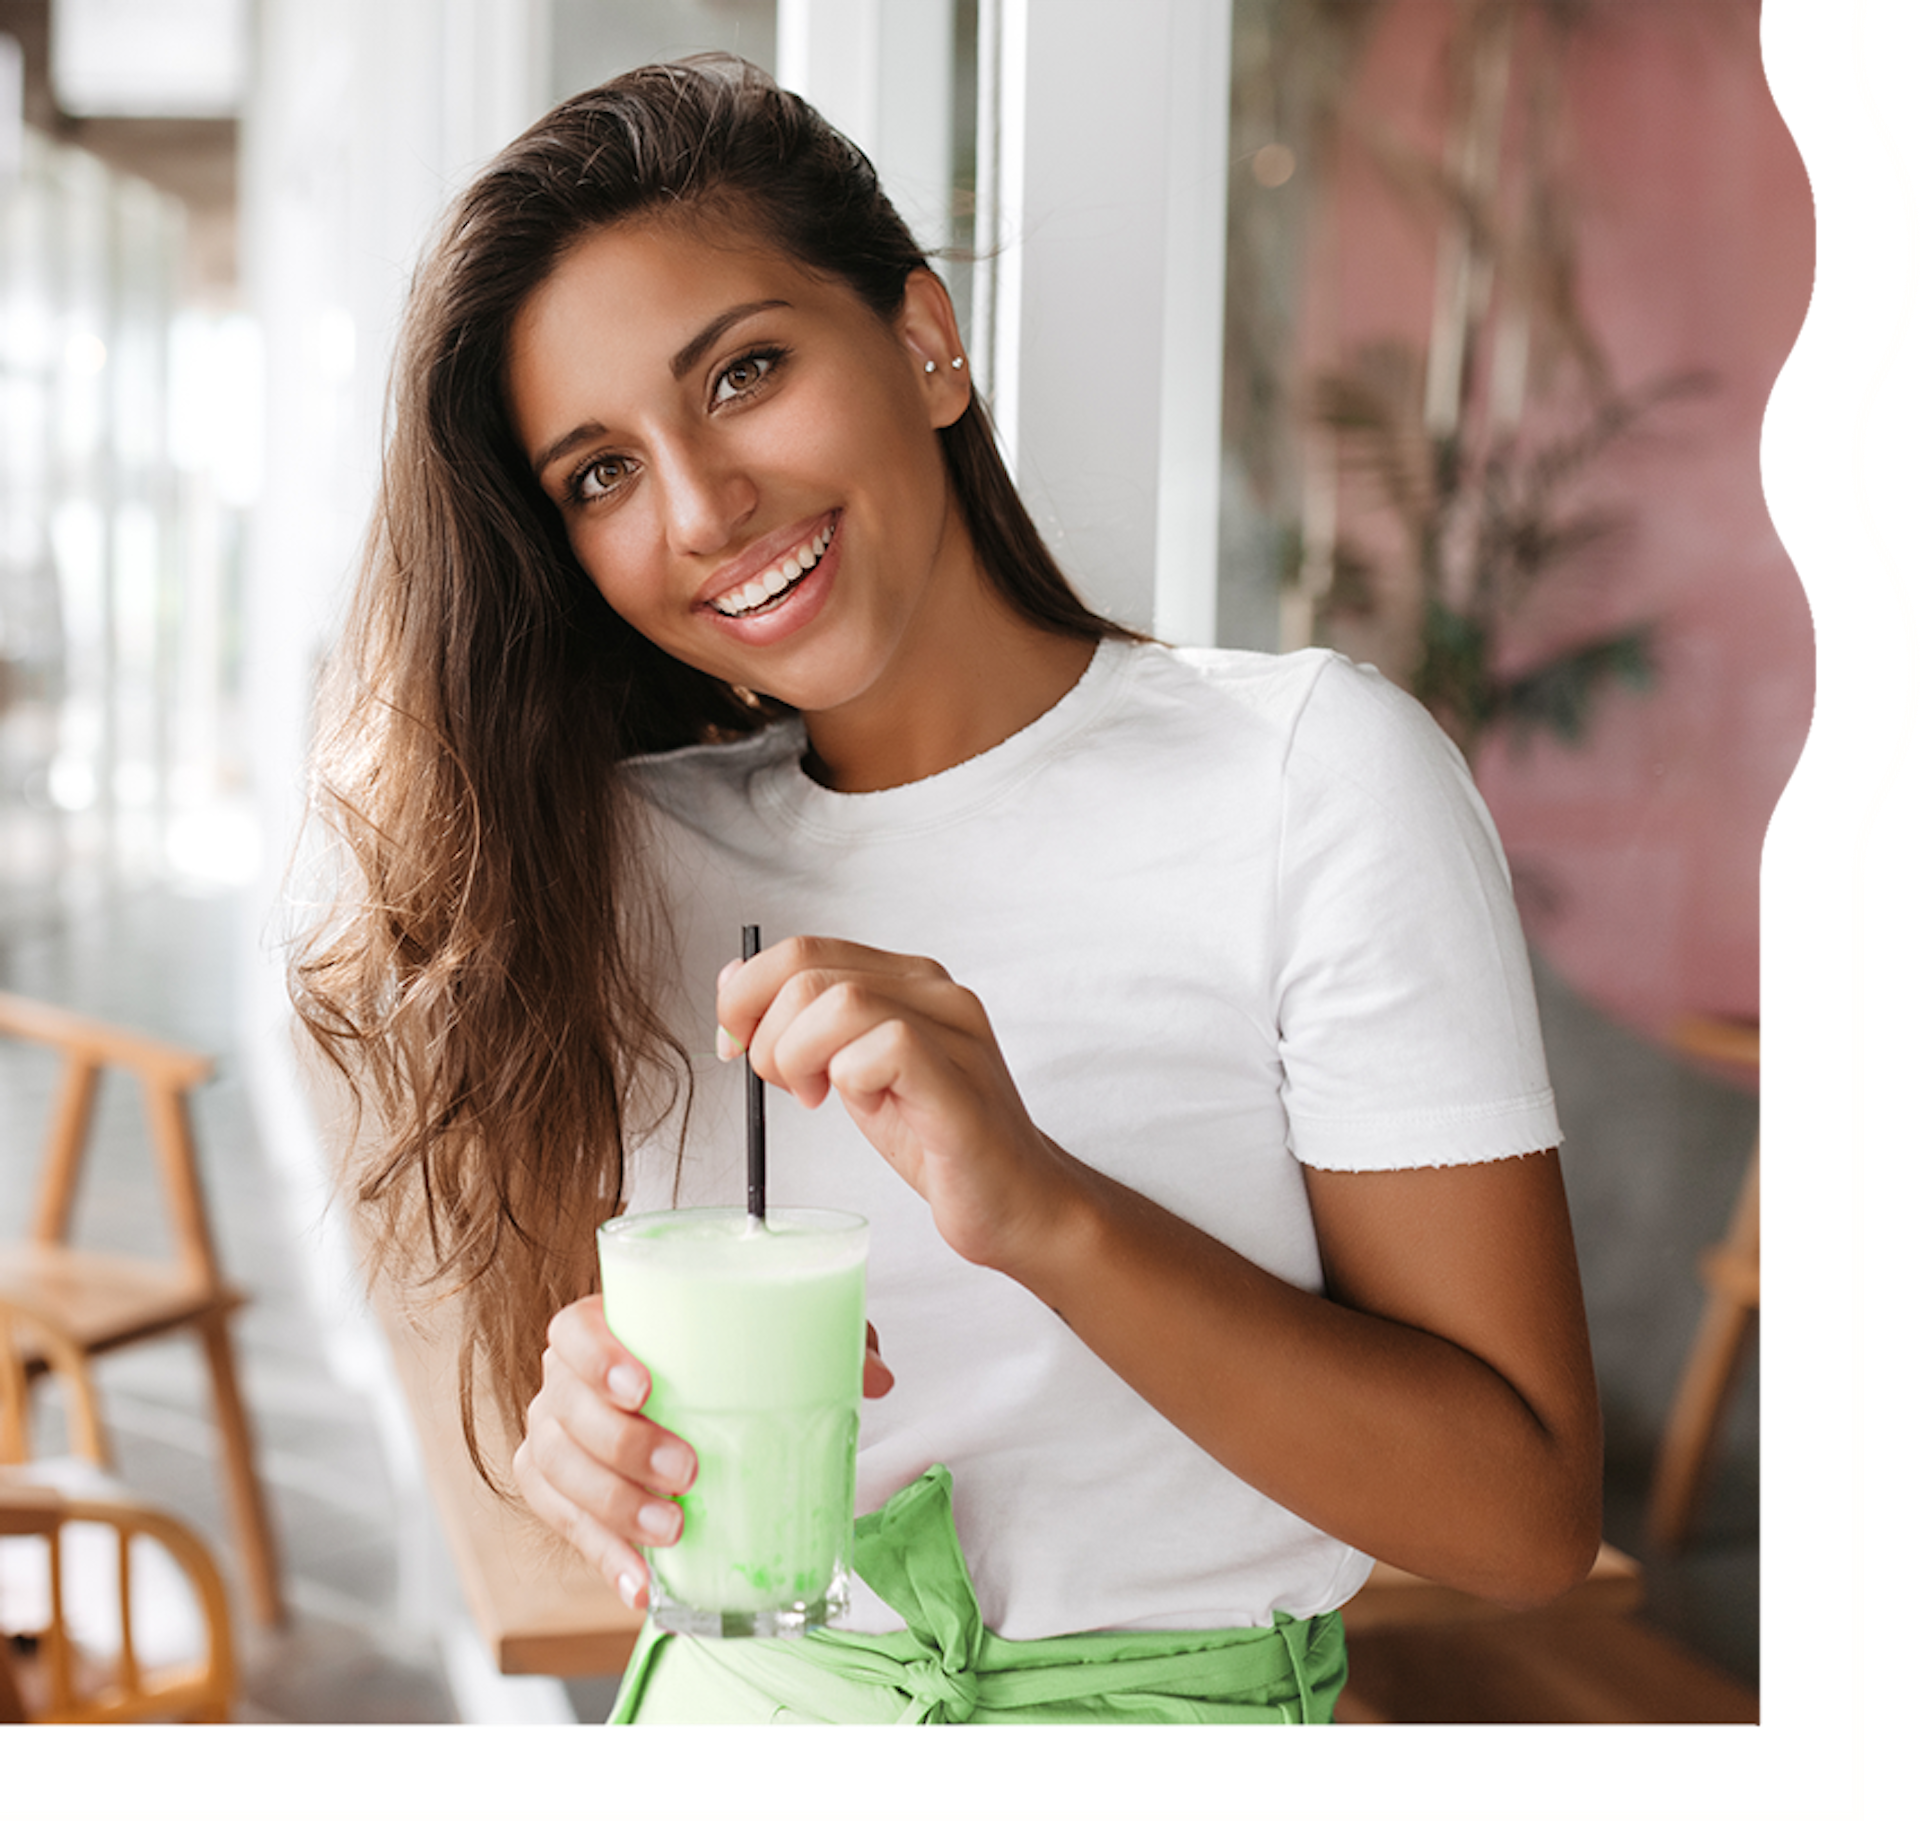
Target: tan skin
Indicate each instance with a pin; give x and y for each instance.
(1437, 1407)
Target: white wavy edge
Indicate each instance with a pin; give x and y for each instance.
(1861, 844)
(1863, 509)
(1863, 415)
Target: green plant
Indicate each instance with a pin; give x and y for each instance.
(1478, 445)
(1483, 521)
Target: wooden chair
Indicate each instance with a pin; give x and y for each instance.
(122, 1606)
(105, 1301)
(1730, 1272)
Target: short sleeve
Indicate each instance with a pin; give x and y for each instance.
(1408, 1029)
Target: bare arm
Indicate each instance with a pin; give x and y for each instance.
(1436, 1408)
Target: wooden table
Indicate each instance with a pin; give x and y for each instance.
(539, 1609)
(1393, 1598)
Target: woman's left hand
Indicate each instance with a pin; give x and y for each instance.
(915, 1062)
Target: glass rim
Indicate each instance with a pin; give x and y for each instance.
(810, 1222)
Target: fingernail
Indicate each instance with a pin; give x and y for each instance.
(673, 1462)
(733, 967)
(631, 1589)
(659, 1523)
(626, 1387)
(725, 1044)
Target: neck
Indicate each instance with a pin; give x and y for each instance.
(1003, 675)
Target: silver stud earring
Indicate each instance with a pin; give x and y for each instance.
(958, 361)
(929, 366)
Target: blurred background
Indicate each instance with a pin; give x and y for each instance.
(1436, 330)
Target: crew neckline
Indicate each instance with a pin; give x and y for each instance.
(784, 789)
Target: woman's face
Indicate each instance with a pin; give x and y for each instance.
(745, 459)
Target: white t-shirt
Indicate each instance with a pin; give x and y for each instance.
(1228, 914)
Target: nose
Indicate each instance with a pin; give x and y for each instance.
(705, 495)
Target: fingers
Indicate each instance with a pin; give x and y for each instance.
(592, 1467)
(877, 1375)
(583, 1342)
(803, 1002)
(596, 1471)
(616, 1559)
(914, 1060)
(747, 990)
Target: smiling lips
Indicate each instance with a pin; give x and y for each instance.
(770, 587)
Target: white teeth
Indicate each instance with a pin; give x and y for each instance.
(775, 580)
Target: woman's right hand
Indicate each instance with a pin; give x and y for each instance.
(592, 1467)
(597, 1471)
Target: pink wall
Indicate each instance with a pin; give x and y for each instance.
(1696, 250)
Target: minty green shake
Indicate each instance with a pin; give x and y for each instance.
(754, 1337)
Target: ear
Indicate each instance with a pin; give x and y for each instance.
(928, 331)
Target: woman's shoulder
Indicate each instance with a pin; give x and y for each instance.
(1315, 693)
(1333, 733)
(1264, 681)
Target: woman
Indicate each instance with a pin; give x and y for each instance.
(1219, 1244)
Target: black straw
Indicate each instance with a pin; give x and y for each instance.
(756, 1106)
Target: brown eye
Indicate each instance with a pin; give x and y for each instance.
(742, 376)
(598, 477)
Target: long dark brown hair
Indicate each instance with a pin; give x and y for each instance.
(486, 980)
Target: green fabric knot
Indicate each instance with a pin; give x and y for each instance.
(939, 1694)
(945, 1668)
(908, 1554)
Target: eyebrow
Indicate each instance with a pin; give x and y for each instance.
(683, 363)
(680, 366)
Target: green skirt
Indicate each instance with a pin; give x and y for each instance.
(947, 1669)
